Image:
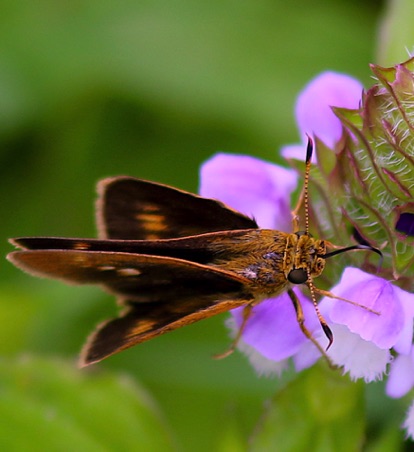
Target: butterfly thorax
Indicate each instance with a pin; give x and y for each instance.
(266, 257)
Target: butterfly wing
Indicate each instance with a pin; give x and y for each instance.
(129, 208)
(138, 277)
(165, 282)
(143, 321)
(202, 249)
(162, 293)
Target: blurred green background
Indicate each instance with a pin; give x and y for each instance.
(149, 89)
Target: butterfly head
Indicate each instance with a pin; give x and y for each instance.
(304, 257)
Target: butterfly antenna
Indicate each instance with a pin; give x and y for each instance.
(309, 152)
(304, 195)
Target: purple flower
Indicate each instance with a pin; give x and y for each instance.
(384, 327)
(401, 375)
(314, 113)
(272, 334)
(363, 339)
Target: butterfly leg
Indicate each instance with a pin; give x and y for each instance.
(247, 310)
(301, 321)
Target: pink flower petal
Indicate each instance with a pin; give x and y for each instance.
(404, 343)
(254, 187)
(359, 358)
(296, 152)
(383, 329)
(313, 107)
(273, 329)
(401, 376)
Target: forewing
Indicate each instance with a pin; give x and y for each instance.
(202, 249)
(130, 208)
(141, 322)
(162, 293)
(140, 278)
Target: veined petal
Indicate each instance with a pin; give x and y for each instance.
(254, 187)
(313, 107)
(383, 329)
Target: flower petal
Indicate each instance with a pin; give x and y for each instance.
(404, 343)
(254, 187)
(383, 329)
(273, 329)
(308, 354)
(362, 359)
(313, 107)
(296, 152)
(401, 376)
(264, 367)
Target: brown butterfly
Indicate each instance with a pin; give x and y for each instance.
(174, 258)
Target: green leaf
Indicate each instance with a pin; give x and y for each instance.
(320, 411)
(50, 405)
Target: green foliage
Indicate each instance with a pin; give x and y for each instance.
(326, 409)
(48, 404)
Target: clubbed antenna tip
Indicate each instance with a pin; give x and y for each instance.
(328, 334)
(309, 150)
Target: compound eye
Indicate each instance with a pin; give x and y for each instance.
(298, 276)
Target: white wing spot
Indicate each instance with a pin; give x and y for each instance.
(81, 246)
(129, 272)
